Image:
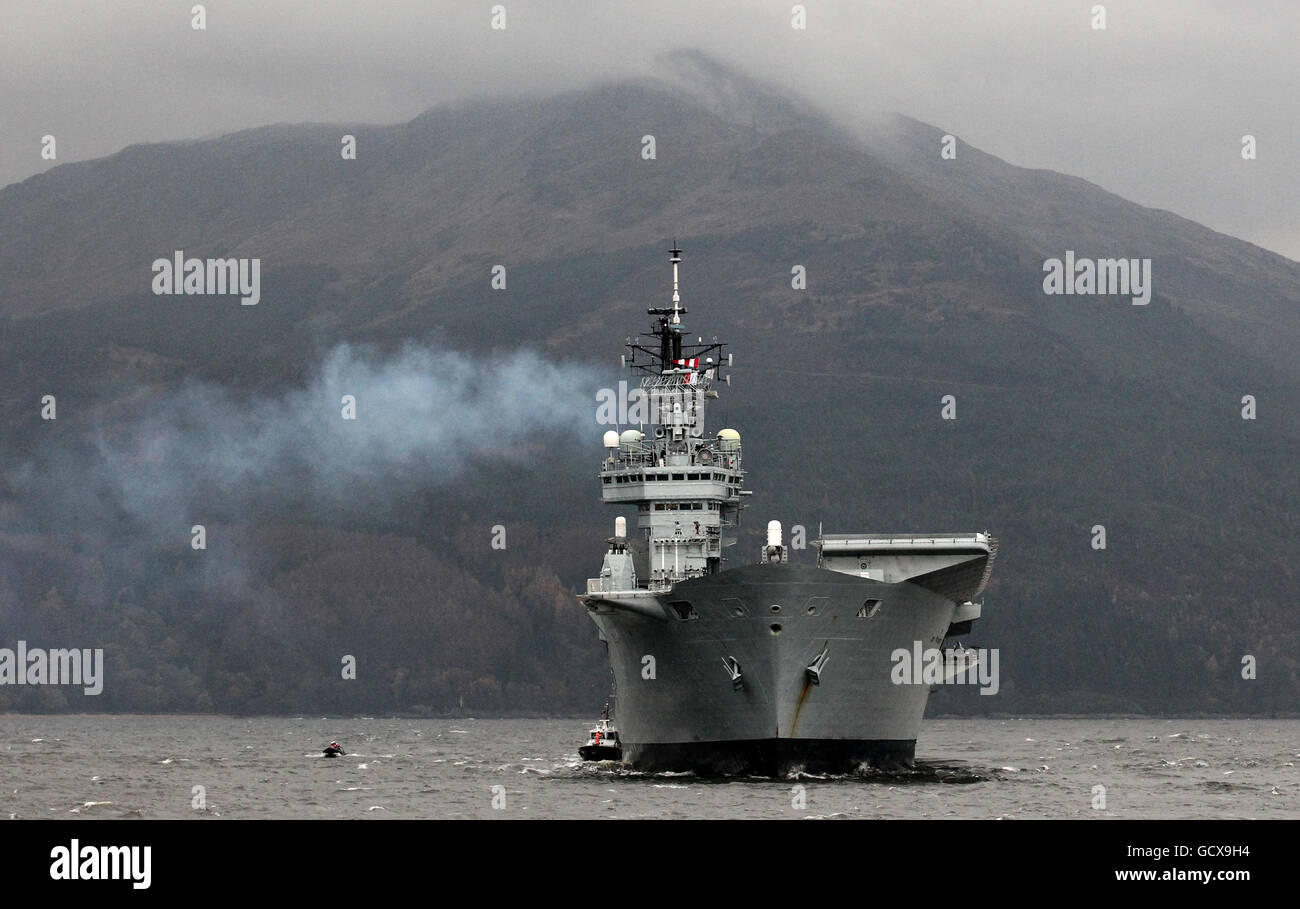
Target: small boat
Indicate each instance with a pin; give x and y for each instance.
(333, 749)
(602, 741)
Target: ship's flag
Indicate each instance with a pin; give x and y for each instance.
(690, 378)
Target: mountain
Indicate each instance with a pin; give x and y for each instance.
(1238, 291)
(924, 279)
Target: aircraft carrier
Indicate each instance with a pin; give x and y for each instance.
(767, 668)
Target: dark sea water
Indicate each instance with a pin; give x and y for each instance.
(148, 766)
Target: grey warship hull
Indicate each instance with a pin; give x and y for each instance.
(774, 667)
(681, 708)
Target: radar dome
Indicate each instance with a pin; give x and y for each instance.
(611, 439)
(728, 440)
(630, 440)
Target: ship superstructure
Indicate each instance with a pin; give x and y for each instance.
(766, 667)
(686, 486)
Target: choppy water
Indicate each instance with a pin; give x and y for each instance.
(145, 766)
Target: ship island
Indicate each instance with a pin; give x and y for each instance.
(769, 668)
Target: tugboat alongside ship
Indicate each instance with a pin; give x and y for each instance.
(766, 668)
(602, 741)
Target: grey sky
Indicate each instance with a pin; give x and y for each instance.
(1153, 108)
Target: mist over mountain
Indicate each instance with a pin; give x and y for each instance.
(924, 279)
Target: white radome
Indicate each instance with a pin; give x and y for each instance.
(773, 533)
(630, 440)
